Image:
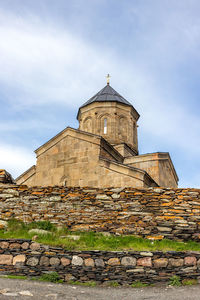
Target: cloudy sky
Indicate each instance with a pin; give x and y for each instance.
(54, 55)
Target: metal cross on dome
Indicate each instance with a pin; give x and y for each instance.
(108, 78)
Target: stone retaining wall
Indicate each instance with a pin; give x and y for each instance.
(5, 177)
(24, 257)
(154, 213)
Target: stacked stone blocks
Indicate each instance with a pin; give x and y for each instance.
(5, 177)
(154, 213)
(24, 257)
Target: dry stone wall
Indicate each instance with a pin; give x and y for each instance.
(5, 177)
(24, 257)
(155, 213)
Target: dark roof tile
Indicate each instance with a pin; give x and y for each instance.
(107, 94)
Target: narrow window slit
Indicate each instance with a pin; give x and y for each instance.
(105, 126)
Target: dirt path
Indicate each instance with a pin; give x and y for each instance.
(34, 290)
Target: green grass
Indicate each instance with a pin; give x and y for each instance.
(175, 281)
(189, 282)
(91, 240)
(113, 284)
(15, 276)
(139, 284)
(52, 277)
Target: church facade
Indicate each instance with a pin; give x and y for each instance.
(102, 152)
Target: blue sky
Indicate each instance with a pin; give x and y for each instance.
(54, 55)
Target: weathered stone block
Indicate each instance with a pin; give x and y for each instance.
(103, 197)
(160, 262)
(164, 229)
(12, 192)
(144, 253)
(128, 261)
(77, 260)
(4, 245)
(115, 196)
(65, 261)
(145, 262)
(137, 270)
(55, 198)
(15, 246)
(190, 261)
(176, 262)
(157, 190)
(19, 259)
(25, 245)
(114, 261)
(54, 261)
(99, 262)
(6, 259)
(35, 246)
(89, 262)
(5, 196)
(44, 261)
(32, 261)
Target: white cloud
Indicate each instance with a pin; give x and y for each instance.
(24, 125)
(44, 64)
(16, 160)
(174, 124)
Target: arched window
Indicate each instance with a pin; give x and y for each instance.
(87, 124)
(105, 126)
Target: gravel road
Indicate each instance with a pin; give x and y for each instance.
(34, 290)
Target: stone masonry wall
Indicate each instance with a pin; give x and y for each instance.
(154, 213)
(5, 177)
(24, 257)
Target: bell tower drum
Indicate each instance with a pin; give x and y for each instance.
(111, 116)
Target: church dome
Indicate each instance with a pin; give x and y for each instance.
(107, 94)
(111, 116)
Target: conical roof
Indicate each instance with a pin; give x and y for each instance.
(107, 94)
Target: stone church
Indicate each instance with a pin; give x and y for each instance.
(102, 152)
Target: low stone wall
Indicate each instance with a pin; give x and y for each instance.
(5, 177)
(24, 257)
(154, 213)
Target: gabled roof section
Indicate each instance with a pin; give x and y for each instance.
(107, 94)
(90, 137)
(67, 131)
